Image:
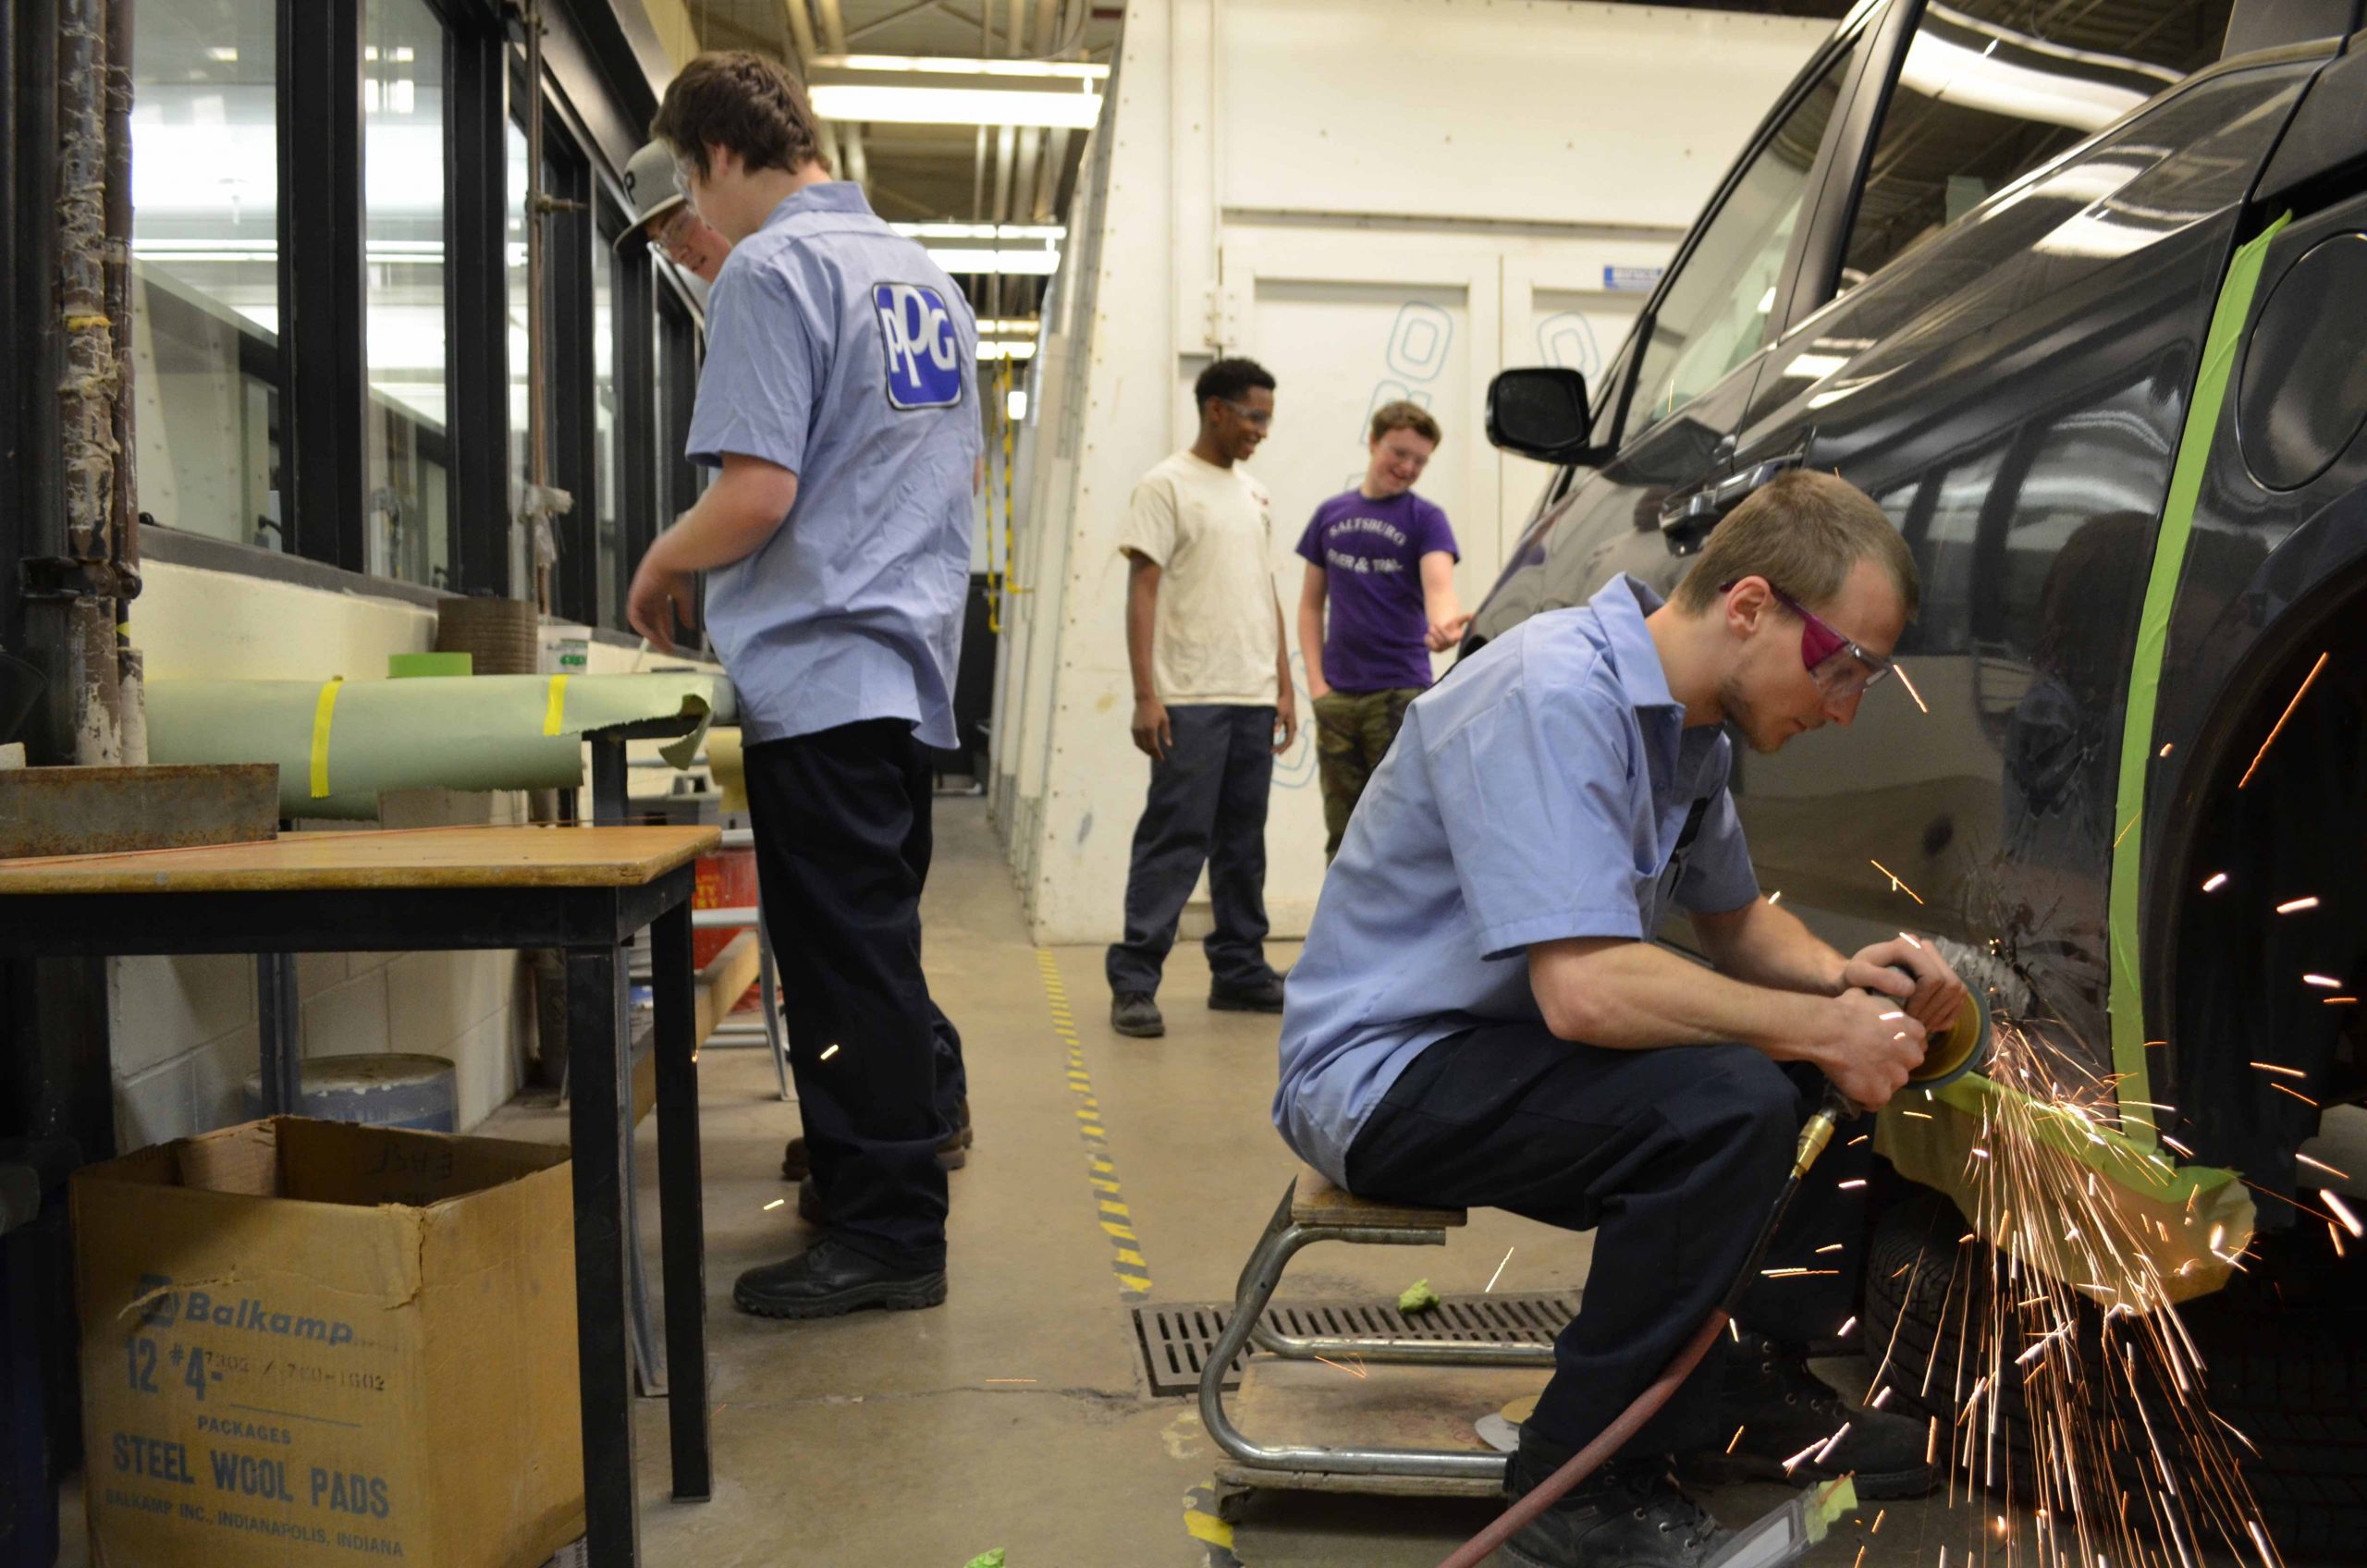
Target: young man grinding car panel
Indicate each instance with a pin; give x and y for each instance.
(839, 400)
(1479, 1016)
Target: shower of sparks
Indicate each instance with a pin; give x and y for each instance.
(2064, 1340)
(1910, 685)
(831, 1052)
(1011, 1379)
(1895, 885)
(2218, 880)
(1775, 896)
(2321, 1165)
(2342, 1212)
(2279, 726)
(2288, 1072)
(1500, 1271)
(2165, 748)
(2295, 906)
(774, 1205)
(1842, 1332)
(2124, 832)
(1736, 1439)
(1358, 1373)
(1852, 1186)
(2325, 982)
(2341, 1001)
(2295, 1093)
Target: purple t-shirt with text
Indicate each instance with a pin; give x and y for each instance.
(1371, 554)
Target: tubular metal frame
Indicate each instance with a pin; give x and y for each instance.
(1282, 1240)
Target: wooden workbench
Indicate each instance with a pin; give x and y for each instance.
(585, 890)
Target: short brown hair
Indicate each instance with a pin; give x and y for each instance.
(741, 102)
(1802, 532)
(1404, 415)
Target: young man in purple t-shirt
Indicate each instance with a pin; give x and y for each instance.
(1384, 559)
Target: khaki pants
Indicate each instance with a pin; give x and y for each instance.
(1352, 730)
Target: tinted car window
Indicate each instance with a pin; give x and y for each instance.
(1714, 314)
(1990, 90)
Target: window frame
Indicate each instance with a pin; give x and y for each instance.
(1869, 33)
(597, 91)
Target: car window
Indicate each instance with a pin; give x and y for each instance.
(1988, 89)
(1713, 314)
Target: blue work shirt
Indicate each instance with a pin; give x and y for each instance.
(1537, 793)
(839, 350)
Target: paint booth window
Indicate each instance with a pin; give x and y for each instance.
(407, 502)
(1714, 315)
(205, 267)
(1990, 90)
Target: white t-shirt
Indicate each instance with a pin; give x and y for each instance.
(1209, 530)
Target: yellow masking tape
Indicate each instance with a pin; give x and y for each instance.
(555, 718)
(321, 712)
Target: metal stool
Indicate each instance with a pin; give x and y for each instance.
(1313, 1210)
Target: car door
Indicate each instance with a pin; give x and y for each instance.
(2007, 372)
(1680, 385)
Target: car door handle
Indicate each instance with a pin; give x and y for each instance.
(1686, 518)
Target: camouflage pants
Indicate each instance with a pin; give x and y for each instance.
(1352, 730)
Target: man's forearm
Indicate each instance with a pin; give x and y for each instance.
(1764, 944)
(1282, 649)
(1634, 996)
(743, 508)
(1142, 616)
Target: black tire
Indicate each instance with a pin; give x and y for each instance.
(2284, 1349)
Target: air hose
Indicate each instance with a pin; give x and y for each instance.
(1960, 1050)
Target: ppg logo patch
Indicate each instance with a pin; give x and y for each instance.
(924, 351)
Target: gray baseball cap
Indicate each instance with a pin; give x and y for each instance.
(652, 188)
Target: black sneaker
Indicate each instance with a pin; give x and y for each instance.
(796, 1164)
(829, 1278)
(1630, 1514)
(1254, 996)
(1136, 1014)
(1783, 1410)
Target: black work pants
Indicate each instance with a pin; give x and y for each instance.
(1207, 807)
(841, 819)
(1672, 1158)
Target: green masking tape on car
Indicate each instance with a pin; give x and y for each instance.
(2219, 349)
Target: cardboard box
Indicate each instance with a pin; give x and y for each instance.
(306, 1343)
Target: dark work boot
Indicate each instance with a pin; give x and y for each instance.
(829, 1278)
(951, 1155)
(1136, 1014)
(1630, 1514)
(809, 1200)
(1784, 1412)
(1247, 995)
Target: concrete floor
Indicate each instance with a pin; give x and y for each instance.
(1015, 1415)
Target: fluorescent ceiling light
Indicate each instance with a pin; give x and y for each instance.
(226, 57)
(1034, 264)
(955, 105)
(981, 230)
(1009, 326)
(954, 65)
(1016, 404)
(1006, 351)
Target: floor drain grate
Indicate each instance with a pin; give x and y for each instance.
(1175, 1342)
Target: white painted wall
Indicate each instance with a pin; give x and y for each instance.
(185, 1031)
(1377, 198)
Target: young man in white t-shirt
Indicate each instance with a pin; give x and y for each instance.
(1213, 704)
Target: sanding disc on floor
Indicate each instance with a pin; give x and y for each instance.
(1500, 1429)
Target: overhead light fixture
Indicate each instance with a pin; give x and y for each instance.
(919, 89)
(956, 106)
(981, 230)
(223, 56)
(1029, 264)
(958, 65)
(1006, 351)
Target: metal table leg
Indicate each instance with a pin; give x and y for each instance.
(280, 1034)
(768, 982)
(596, 1063)
(681, 1202)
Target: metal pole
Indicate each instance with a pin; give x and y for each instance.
(538, 462)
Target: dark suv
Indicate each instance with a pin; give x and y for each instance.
(2077, 293)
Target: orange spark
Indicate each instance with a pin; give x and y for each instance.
(2279, 728)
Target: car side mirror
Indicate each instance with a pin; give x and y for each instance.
(1540, 413)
